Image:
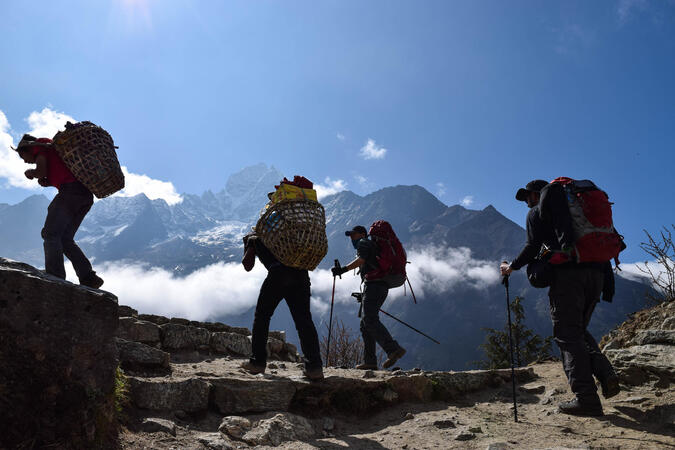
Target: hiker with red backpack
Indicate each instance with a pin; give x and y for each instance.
(65, 213)
(381, 260)
(570, 242)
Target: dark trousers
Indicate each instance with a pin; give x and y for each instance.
(293, 285)
(573, 295)
(372, 330)
(64, 216)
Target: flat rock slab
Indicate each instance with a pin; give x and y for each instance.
(641, 363)
(138, 356)
(226, 342)
(236, 396)
(166, 394)
(184, 337)
(133, 329)
(155, 425)
(232, 391)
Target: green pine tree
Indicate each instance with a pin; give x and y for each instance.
(527, 346)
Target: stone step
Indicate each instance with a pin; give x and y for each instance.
(221, 387)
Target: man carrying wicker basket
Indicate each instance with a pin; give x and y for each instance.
(65, 213)
(290, 240)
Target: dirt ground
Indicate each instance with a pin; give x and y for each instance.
(640, 418)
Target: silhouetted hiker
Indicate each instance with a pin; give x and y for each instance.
(282, 282)
(575, 289)
(65, 213)
(374, 294)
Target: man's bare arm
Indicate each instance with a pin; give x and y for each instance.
(358, 262)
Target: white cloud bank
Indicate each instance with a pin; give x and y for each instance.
(329, 187)
(372, 151)
(223, 289)
(135, 184)
(47, 123)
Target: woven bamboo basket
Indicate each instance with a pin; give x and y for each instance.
(295, 232)
(89, 152)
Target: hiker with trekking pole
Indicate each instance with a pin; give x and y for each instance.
(381, 261)
(570, 242)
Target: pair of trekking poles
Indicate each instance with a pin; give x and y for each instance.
(359, 297)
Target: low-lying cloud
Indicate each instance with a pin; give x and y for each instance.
(135, 184)
(47, 123)
(224, 289)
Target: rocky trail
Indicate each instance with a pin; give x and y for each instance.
(204, 401)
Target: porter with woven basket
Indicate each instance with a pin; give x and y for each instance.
(89, 152)
(295, 232)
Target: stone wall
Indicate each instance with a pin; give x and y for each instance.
(57, 361)
(148, 342)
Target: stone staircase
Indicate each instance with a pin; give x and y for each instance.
(189, 372)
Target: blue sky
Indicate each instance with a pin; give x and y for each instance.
(469, 99)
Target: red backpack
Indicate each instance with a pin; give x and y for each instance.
(595, 239)
(391, 256)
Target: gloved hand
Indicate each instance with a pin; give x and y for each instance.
(337, 271)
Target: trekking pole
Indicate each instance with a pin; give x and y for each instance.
(411, 289)
(505, 282)
(409, 326)
(330, 320)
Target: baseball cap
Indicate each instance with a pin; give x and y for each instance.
(357, 229)
(532, 186)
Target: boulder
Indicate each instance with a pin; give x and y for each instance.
(161, 394)
(640, 364)
(280, 428)
(154, 425)
(138, 356)
(274, 346)
(58, 361)
(225, 342)
(182, 337)
(646, 337)
(180, 321)
(279, 335)
(126, 311)
(212, 441)
(234, 396)
(132, 329)
(235, 426)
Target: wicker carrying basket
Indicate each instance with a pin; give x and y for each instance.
(89, 152)
(295, 232)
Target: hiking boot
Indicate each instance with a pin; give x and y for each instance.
(393, 357)
(92, 280)
(251, 368)
(365, 366)
(610, 387)
(313, 374)
(577, 408)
